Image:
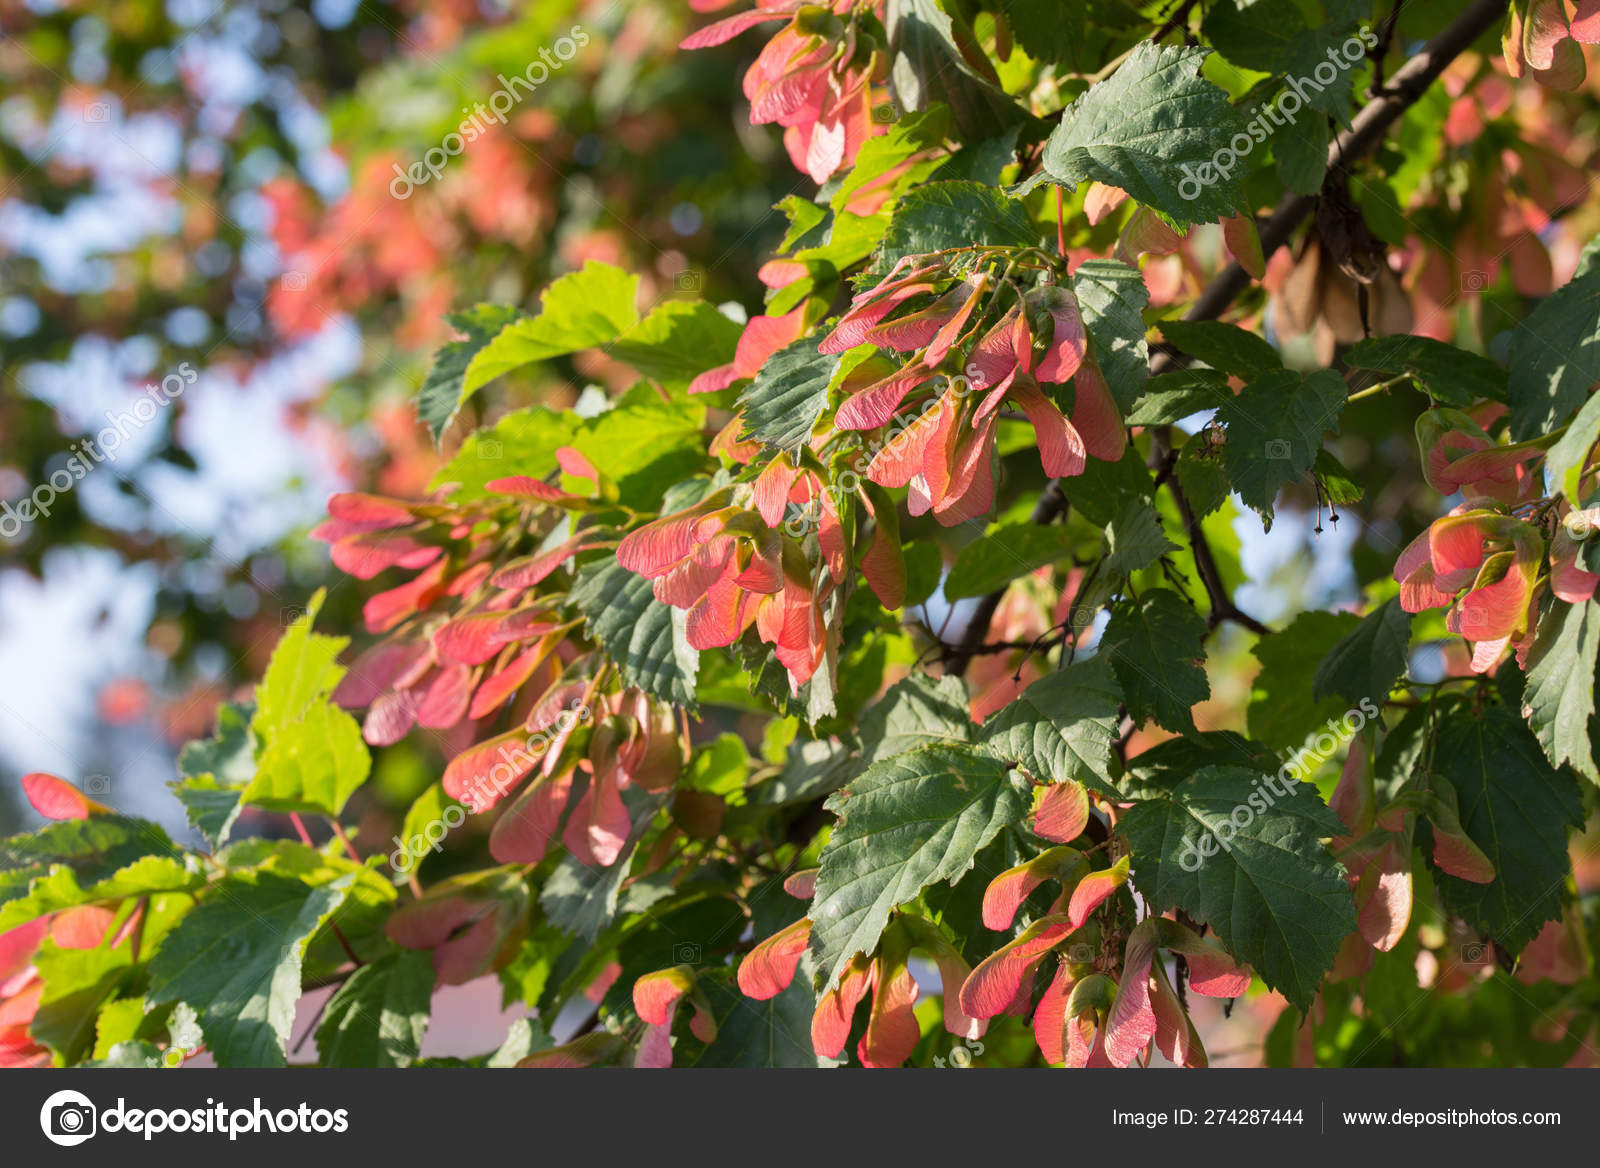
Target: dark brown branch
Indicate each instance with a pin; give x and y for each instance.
(1405, 88)
(1178, 19)
(1205, 563)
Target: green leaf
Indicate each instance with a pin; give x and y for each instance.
(427, 809)
(581, 310)
(677, 342)
(1364, 665)
(1517, 808)
(441, 395)
(1063, 726)
(1282, 712)
(945, 215)
(927, 66)
(523, 442)
(1556, 701)
(582, 900)
(236, 959)
(1112, 297)
(788, 395)
(1336, 482)
(771, 1033)
(210, 806)
(1225, 347)
(1201, 475)
(314, 763)
(918, 710)
(913, 134)
(378, 1017)
(60, 889)
(1272, 36)
(1302, 156)
(1136, 539)
(643, 444)
(1451, 376)
(1154, 646)
(77, 983)
(1275, 428)
(905, 823)
(1105, 489)
(992, 562)
(229, 756)
(525, 1036)
(1275, 896)
(1555, 354)
(643, 636)
(94, 849)
(312, 755)
(1150, 128)
(304, 668)
(1567, 457)
(1171, 397)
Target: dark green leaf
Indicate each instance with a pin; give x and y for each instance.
(773, 1033)
(953, 214)
(643, 636)
(1272, 36)
(1452, 376)
(1061, 727)
(1282, 712)
(1275, 896)
(918, 710)
(905, 823)
(1154, 646)
(926, 66)
(1171, 397)
(1555, 354)
(378, 1017)
(441, 395)
(1517, 808)
(1364, 665)
(1557, 702)
(996, 559)
(788, 395)
(1275, 428)
(1225, 347)
(1152, 128)
(236, 959)
(1113, 296)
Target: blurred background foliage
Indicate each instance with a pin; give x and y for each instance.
(203, 183)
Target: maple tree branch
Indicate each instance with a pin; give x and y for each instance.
(1366, 131)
